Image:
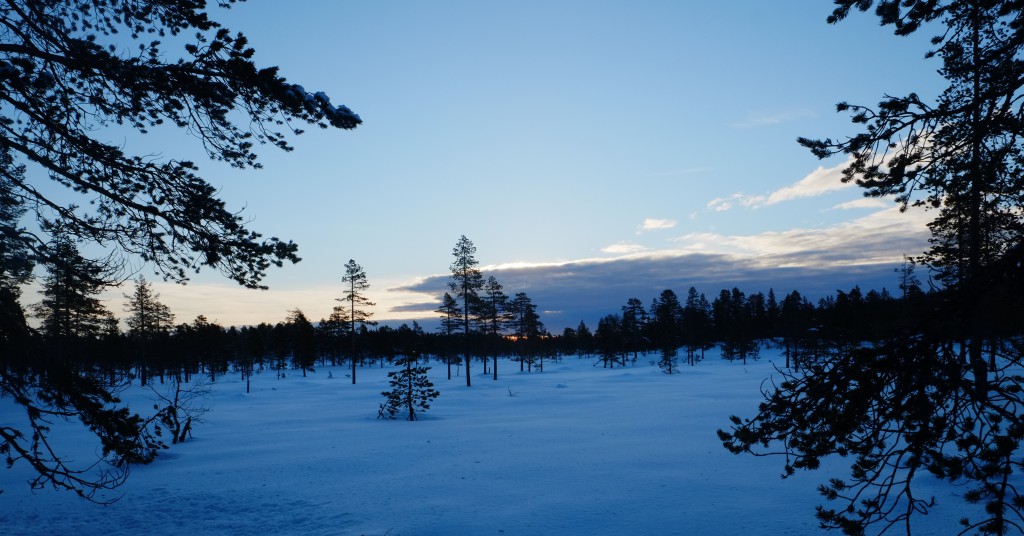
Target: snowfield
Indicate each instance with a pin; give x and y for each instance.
(575, 449)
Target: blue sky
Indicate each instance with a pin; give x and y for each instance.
(633, 146)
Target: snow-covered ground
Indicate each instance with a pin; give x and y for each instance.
(577, 449)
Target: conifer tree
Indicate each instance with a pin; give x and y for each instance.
(147, 316)
(526, 325)
(451, 316)
(634, 325)
(69, 308)
(411, 390)
(148, 321)
(466, 283)
(585, 339)
(16, 263)
(493, 313)
(666, 328)
(696, 324)
(609, 339)
(355, 311)
(302, 340)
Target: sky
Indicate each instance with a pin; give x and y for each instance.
(593, 151)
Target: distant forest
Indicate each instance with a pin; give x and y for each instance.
(78, 331)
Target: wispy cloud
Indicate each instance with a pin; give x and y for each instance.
(866, 202)
(818, 182)
(722, 204)
(623, 248)
(655, 224)
(756, 120)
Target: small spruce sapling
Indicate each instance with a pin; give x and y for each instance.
(411, 390)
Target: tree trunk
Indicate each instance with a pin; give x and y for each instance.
(409, 393)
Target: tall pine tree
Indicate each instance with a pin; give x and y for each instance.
(354, 311)
(466, 283)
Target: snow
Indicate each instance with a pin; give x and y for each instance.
(575, 449)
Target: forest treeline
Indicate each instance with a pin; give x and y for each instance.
(80, 333)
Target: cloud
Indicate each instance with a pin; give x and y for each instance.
(865, 202)
(720, 204)
(879, 237)
(655, 224)
(769, 119)
(623, 248)
(818, 182)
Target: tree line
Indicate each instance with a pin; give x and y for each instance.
(479, 323)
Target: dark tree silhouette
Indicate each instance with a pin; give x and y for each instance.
(70, 308)
(451, 316)
(696, 324)
(493, 314)
(666, 328)
(16, 264)
(526, 325)
(411, 390)
(148, 321)
(634, 324)
(466, 283)
(302, 340)
(355, 312)
(69, 70)
(609, 339)
(926, 400)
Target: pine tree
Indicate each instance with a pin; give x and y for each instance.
(70, 309)
(451, 316)
(147, 316)
(610, 339)
(666, 328)
(466, 283)
(16, 263)
(585, 339)
(526, 325)
(302, 340)
(696, 324)
(634, 324)
(733, 317)
(354, 312)
(492, 314)
(148, 321)
(411, 390)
